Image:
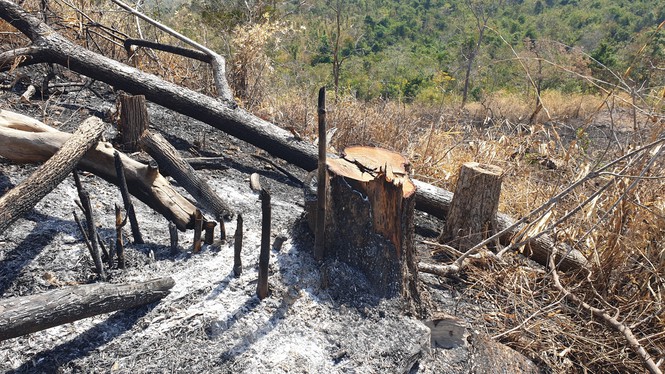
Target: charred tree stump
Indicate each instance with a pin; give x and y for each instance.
(472, 214)
(28, 314)
(198, 229)
(173, 235)
(370, 205)
(133, 122)
(20, 199)
(168, 159)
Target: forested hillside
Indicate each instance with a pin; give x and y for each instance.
(421, 50)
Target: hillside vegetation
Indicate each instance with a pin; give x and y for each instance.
(419, 50)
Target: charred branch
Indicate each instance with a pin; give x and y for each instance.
(28, 314)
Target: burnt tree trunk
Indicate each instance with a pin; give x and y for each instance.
(370, 207)
(472, 214)
(22, 198)
(28, 314)
(133, 122)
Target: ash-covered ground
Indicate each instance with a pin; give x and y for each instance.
(211, 321)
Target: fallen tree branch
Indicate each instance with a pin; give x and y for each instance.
(170, 160)
(22, 198)
(216, 61)
(28, 314)
(612, 321)
(26, 140)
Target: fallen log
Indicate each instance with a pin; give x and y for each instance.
(169, 159)
(22, 198)
(49, 46)
(27, 314)
(26, 140)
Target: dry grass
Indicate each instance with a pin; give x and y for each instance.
(625, 243)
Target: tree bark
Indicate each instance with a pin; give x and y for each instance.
(369, 222)
(133, 121)
(472, 214)
(28, 314)
(26, 140)
(168, 159)
(22, 198)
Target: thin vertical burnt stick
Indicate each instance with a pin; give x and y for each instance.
(264, 256)
(237, 248)
(102, 246)
(119, 224)
(173, 233)
(198, 228)
(85, 235)
(126, 200)
(90, 223)
(222, 230)
(319, 237)
(209, 227)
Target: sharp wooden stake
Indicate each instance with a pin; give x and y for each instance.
(198, 228)
(237, 248)
(126, 200)
(209, 227)
(264, 256)
(222, 230)
(173, 232)
(319, 241)
(119, 224)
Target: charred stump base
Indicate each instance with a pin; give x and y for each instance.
(369, 219)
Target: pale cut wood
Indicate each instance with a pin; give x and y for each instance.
(22, 198)
(27, 314)
(26, 140)
(170, 160)
(472, 214)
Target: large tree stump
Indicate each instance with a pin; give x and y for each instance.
(472, 214)
(369, 218)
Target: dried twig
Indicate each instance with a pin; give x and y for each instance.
(612, 321)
